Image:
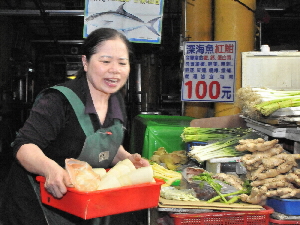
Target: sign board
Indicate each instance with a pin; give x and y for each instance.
(209, 71)
(139, 20)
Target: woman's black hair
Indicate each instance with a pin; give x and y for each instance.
(95, 39)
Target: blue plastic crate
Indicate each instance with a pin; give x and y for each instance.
(285, 206)
(188, 145)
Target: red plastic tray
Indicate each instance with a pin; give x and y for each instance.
(260, 217)
(101, 203)
(291, 222)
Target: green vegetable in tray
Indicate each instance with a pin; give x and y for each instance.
(212, 182)
(223, 148)
(259, 102)
(191, 134)
(215, 150)
(234, 196)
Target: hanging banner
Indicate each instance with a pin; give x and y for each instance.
(209, 71)
(139, 20)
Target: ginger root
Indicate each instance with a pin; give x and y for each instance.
(285, 192)
(293, 178)
(250, 159)
(172, 160)
(268, 180)
(231, 179)
(257, 196)
(271, 171)
(253, 145)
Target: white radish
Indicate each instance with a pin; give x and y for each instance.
(109, 182)
(100, 171)
(138, 176)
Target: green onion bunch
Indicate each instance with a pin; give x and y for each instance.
(260, 102)
(222, 148)
(191, 134)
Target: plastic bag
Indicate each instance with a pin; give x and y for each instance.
(82, 175)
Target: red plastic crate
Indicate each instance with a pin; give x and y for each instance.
(101, 203)
(260, 217)
(290, 222)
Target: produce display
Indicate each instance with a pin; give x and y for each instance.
(85, 178)
(259, 102)
(271, 171)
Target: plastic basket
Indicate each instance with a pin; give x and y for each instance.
(291, 222)
(106, 202)
(285, 206)
(261, 217)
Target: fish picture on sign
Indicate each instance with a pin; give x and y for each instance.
(140, 21)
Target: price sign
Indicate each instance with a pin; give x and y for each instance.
(209, 71)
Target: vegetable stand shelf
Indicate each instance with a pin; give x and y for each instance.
(150, 132)
(289, 133)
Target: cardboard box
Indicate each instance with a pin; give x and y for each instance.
(231, 121)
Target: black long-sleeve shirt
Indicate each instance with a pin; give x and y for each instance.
(53, 126)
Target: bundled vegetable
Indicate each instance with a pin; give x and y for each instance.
(223, 148)
(215, 150)
(272, 172)
(191, 134)
(167, 175)
(258, 102)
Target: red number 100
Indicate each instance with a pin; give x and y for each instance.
(201, 89)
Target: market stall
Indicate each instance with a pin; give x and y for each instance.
(192, 190)
(212, 170)
(270, 108)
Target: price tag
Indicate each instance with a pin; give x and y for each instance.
(209, 71)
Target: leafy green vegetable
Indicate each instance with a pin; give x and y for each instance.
(236, 197)
(257, 102)
(212, 182)
(191, 134)
(223, 148)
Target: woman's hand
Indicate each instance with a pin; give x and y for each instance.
(138, 161)
(57, 181)
(135, 158)
(34, 160)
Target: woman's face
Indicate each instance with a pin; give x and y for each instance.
(108, 69)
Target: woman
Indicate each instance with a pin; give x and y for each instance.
(82, 119)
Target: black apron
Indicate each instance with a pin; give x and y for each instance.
(99, 149)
